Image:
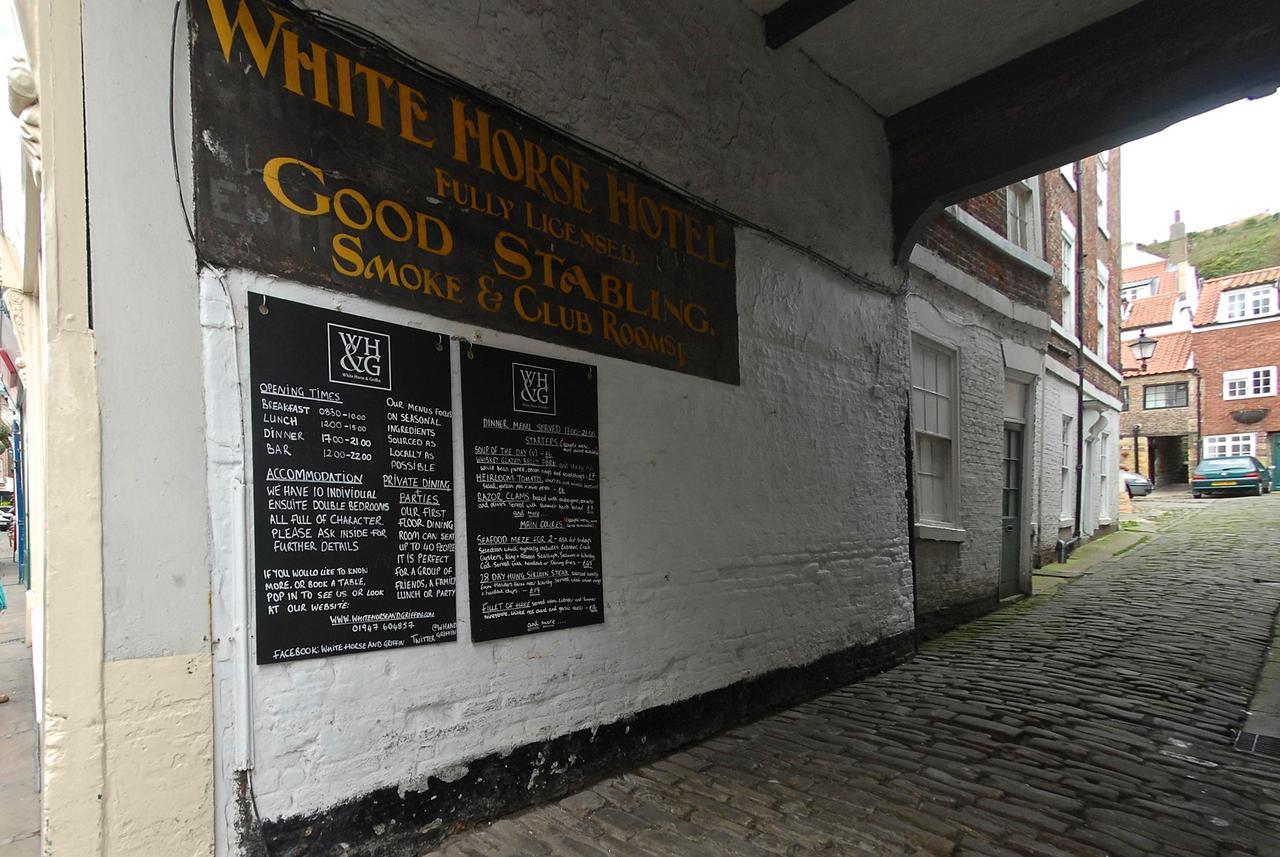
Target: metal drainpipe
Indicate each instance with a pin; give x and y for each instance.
(1199, 418)
(1080, 257)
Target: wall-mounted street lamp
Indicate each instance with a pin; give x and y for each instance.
(1143, 347)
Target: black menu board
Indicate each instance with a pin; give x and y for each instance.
(352, 483)
(530, 433)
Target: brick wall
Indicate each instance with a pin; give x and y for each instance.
(992, 209)
(968, 252)
(1058, 199)
(1064, 353)
(1220, 350)
(1102, 379)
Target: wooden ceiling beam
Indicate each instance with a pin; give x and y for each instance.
(795, 17)
(1127, 76)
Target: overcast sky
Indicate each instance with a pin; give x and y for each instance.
(1218, 167)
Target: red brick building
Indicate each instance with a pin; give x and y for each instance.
(1086, 224)
(1237, 348)
(1211, 388)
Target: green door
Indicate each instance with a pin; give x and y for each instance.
(1275, 458)
(1011, 513)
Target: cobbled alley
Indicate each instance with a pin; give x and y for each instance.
(1097, 720)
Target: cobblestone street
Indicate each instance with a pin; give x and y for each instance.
(1097, 720)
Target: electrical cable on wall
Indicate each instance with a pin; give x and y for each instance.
(173, 132)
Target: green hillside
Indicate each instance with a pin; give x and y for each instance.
(1245, 245)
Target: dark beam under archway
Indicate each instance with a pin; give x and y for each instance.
(796, 17)
(1127, 76)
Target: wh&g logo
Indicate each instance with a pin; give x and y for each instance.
(533, 389)
(359, 357)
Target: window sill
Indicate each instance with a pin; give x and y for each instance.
(1064, 333)
(1032, 257)
(940, 533)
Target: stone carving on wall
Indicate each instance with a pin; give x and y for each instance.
(24, 103)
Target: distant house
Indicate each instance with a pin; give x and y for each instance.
(1237, 347)
(1160, 421)
(1160, 296)
(1210, 388)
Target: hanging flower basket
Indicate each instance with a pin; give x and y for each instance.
(1250, 415)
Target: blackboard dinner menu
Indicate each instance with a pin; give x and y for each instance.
(352, 483)
(530, 434)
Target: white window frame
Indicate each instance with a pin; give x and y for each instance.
(1138, 290)
(1067, 265)
(1069, 173)
(1029, 189)
(1256, 301)
(1067, 509)
(1104, 312)
(949, 517)
(1104, 459)
(1103, 172)
(1255, 383)
(1223, 445)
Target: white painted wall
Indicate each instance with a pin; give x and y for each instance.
(1106, 485)
(154, 515)
(744, 528)
(741, 533)
(1102, 505)
(1057, 519)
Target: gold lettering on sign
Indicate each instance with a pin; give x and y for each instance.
(463, 203)
(661, 222)
(381, 100)
(518, 160)
(354, 210)
(409, 104)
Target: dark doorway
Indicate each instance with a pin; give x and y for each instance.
(1168, 460)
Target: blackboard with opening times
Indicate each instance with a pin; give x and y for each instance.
(352, 483)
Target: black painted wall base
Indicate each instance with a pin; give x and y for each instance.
(387, 823)
(938, 622)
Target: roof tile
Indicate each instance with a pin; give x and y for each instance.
(1173, 351)
(1211, 290)
(1150, 312)
(1167, 277)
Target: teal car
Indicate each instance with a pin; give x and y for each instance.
(1233, 473)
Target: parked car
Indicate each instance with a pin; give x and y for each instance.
(6, 519)
(1136, 484)
(1232, 473)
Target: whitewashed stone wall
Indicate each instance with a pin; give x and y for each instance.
(745, 528)
(1056, 519)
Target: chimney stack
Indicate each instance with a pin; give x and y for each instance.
(1177, 241)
